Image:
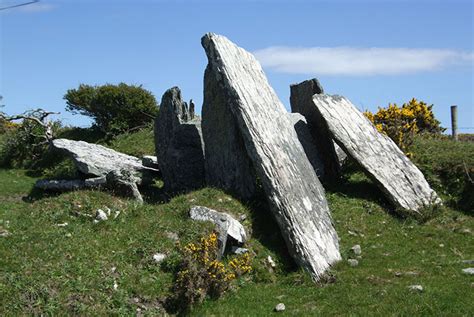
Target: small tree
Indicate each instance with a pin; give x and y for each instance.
(114, 108)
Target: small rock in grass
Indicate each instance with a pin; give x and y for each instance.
(62, 224)
(68, 235)
(416, 288)
(356, 249)
(238, 250)
(469, 271)
(280, 307)
(468, 261)
(353, 262)
(271, 262)
(172, 236)
(115, 285)
(4, 233)
(411, 273)
(158, 257)
(100, 215)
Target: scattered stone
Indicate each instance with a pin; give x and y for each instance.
(280, 307)
(238, 250)
(468, 271)
(356, 249)
(124, 183)
(468, 261)
(172, 236)
(4, 233)
(68, 235)
(441, 245)
(178, 143)
(115, 285)
(412, 273)
(301, 102)
(353, 262)
(158, 257)
(226, 225)
(100, 215)
(262, 125)
(60, 185)
(466, 231)
(150, 161)
(416, 288)
(399, 179)
(242, 217)
(62, 224)
(398, 274)
(271, 262)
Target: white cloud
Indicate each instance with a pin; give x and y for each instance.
(359, 61)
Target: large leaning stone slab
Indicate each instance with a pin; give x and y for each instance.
(226, 225)
(401, 181)
(301, 102)
(296, 196)
(97, 160)
(178, 143)
(228, 165)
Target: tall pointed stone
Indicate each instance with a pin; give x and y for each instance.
(296, 196)
(178, 144)
(400, 180)
(301, 100)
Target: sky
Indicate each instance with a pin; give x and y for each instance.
(374, 52)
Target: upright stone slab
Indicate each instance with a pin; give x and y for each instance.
(227, 164)
(178, 144)
(296, 196)
(301, 102)
(401, 181)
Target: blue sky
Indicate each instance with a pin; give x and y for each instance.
(373, 52)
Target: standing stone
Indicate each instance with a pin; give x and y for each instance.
(178, 144)
(301, 102)
(306, 139)
(400, 180)
(227, 164)
(296, 196)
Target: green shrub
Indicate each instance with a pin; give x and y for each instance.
(114, 108)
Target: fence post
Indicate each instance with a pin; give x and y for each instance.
(454, 122)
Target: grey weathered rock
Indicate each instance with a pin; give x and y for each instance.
(239, 250)
(271, 262)
(341, 155)
(301, 102)
(97, 160)
(67, 185)
(60, 185)
(159, 257)
(226, 225)
(307, 141)
(296, 196)
(469, 271)
(227, 164)
(280, 307)
(415, 288)
(178, 144)
(150, 161)
(124, 183)
(400, 180)
(467, 261)
(101, 215)
(356, 249)
(353, 262)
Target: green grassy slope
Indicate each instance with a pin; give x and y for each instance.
(72, 269)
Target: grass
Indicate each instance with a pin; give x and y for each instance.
(56, 270)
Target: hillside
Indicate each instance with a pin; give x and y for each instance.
(55, 260)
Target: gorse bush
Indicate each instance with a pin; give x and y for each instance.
(401, 124)
(201, 274)
(114, 108)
